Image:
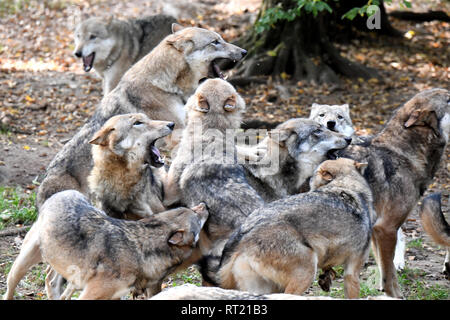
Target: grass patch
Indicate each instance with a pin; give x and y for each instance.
(190, 275)
(416, 243)
(415, 288)
(16, 207)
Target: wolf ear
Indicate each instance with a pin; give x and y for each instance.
(199, 208)
(314, 106)
(176, 27)
(361, 167)
(109, 19)
(101, 137)
(230, 104)
(327, 176)
(413, 118)
(181, 43)
(279, 135)
(423, 118)
(202, 104)
(345, 108)
(177, 238)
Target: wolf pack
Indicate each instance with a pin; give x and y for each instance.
(259, 213)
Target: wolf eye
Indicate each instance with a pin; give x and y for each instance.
(340, 117)
(138, 123)
(92, 37)
(322, 115)
(215, 42)
(317, 131)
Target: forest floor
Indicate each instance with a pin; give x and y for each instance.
(45, 97)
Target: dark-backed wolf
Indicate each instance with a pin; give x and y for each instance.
(157, 85)
(280, 246)
(103, 256)
(403, 159)
(111, 46)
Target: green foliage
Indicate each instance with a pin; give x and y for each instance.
(277, 13)
(16, 207)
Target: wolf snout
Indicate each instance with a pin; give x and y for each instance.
(77, 54)
(243, 52)
(171, 125)
(331, 124)
(348, 140)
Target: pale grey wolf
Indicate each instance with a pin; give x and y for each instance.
(103, 256)
(280, 246)
(157, 85)
(337, 118)
(128, 174)
(434, 223)
(403, 159)
(112, 46)
(334, 117)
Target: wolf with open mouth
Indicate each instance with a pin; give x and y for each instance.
(111, 46)
(126, 181)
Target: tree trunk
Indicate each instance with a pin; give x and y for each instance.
(300, 49)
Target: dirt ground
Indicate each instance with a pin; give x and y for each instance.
(45, 96)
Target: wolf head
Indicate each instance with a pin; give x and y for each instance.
(93, 42)
(131, 137)
(200, 45)
(427, 111)
(334, 117)
(186, 225)
(306, 139)
(217, 104)
(341, 168)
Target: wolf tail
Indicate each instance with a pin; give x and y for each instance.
(433, 220)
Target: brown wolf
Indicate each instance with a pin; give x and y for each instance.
(127, 178)
(403, 159)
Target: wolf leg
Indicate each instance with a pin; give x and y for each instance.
(29, 255)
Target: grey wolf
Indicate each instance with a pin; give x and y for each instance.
(193, 292)
(281, 245)
(434, 223)
(205, 166)
(157, 85)
(215, 105)
(334, 117)
(127, 178)
(104, 256)
(337, 118)
(112, 46)
(298, 146)
(403, 159)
